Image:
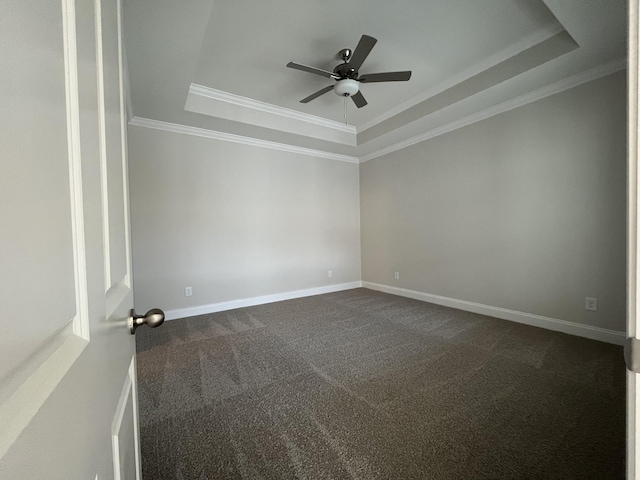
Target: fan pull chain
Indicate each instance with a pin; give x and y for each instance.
(345, 111)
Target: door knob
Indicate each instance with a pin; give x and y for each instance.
(153, 318)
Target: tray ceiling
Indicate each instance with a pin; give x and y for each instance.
(221, 65)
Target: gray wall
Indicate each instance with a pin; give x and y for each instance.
(524, 210)
(236, 221)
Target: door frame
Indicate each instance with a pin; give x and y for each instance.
(633, 273)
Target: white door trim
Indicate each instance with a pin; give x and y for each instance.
(633, 395)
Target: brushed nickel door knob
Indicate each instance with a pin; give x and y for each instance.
(153, 318)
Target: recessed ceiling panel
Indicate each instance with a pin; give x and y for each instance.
(248, 43)
(220, 65)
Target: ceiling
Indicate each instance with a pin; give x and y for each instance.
(220, 65)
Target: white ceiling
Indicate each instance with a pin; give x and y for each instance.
(248, 43)
(221, 64)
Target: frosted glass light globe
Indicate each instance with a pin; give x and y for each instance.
(346, 87)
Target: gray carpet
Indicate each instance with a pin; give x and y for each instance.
(364, 385)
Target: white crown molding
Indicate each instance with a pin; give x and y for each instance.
(269, 108)
(250, 302)
(572, 328)
(539, 94)
(528, 42)
(230, 137)
(557, 87)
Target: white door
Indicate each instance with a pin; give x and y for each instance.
(633, 281)
(68, 407)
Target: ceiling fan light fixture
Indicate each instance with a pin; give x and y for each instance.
(346, 87)
(347, 76)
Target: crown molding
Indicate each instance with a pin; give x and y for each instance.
(230, 137)
(552, 89)
(530, 41)
(269, 108)
(539, 94)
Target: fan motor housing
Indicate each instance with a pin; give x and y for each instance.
(345, 71)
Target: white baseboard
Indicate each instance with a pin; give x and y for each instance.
(572, 328)
(250, 302)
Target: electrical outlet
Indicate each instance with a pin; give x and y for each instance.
(188, 291)
(591, 303)
(330, 274)
(397, 275)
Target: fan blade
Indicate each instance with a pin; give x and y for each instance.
(385, 77)
(359, 100)
(362, 51)
(315, 70)
(317, 94)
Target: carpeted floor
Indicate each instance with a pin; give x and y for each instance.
(364, 385)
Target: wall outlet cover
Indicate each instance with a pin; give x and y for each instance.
(591, 303)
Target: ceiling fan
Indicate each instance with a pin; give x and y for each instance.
(347, 76)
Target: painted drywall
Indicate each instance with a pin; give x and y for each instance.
(523, 211)
(235, 221)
